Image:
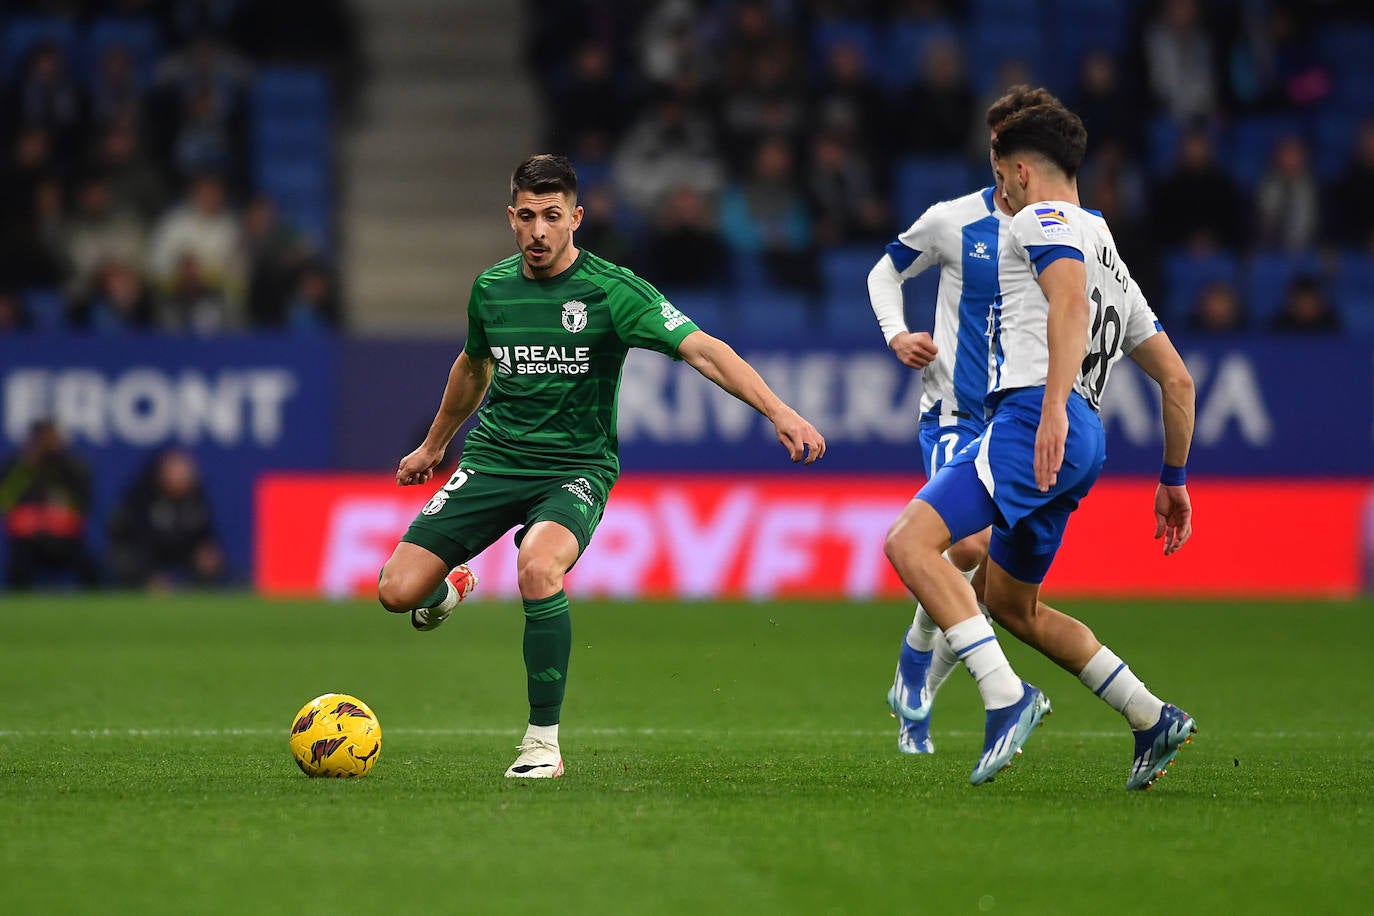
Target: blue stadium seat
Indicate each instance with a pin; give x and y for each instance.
(24, 33)
(1250, 143)
(905, 46)
(1352, 291)
(991, 44)
(1335, 143)
(844, 271)
(291, 92)
(827, 33)
(1185, 274)
(1012, 13)
(773, 314)
(288, 178)
(139, 36)
(1267, 278)
(924, 180)
(46, 307)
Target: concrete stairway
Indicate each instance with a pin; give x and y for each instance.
(447, 113)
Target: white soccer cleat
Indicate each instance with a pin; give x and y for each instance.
(460, 581)
(539, 759)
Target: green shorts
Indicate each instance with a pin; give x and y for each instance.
(470, 512)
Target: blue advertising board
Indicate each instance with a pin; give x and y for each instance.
(239, 404)
(1264, 407)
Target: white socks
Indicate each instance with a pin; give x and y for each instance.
(450, 601)
(976, 646)
(1108, 676)
(924, 631)
(547, 733)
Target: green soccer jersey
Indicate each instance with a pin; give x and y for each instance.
(558, 346)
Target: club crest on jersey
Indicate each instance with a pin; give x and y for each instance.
(574, 316)
(435, 504)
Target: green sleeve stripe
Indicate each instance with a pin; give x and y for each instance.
(614, 272)
(610, 281)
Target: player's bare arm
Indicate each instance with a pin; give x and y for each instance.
(467, 384)
(1173, 507)
(1063, 283)
(718, 362)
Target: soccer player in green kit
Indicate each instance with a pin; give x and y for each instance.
(548, 331)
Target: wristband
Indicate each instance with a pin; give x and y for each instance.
(1172, 476)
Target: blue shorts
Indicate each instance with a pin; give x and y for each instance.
(992, 482)
(939, 444)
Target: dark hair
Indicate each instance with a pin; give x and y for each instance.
(1017, 98)
(1051, 131)
(544, 174)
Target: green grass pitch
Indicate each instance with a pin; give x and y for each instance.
(721, 758)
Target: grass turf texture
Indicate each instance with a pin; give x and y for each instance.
(721, 758)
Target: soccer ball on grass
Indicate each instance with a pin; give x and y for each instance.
(336, 735)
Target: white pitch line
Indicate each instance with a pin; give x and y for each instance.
(606, 732)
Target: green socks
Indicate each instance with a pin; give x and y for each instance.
(548, 644)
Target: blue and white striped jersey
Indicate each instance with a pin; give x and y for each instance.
(966, 238)
(1120, 321)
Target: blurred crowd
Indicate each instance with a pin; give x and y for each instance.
(1231, 143)
(128, 191)
(161, 535)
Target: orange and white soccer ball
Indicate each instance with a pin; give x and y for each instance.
(336, 735)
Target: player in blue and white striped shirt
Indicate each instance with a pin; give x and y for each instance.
(967, 239)
(1067, 311)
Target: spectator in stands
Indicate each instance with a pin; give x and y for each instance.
(201, 90)
(204, 227)
(30, 161)
(45, 495)
(752, 29)
(117, 302)
(116, 93)
(1306, 309)
(47, 96)
(162, 535)
(1351, 207)
(592, 101)
(1116, 189)
(1274, 64)
(1180, 62)
(203, 140)
(1288, 201)
(32, 254)
(314, 304)
(685, 247)
(1217, 310)
(670, 145)
(601, 232)
(1197, 204)
(135, 184)
(844, 194)
(14, 318)
(670, 43)
(766, 214)
(191, 304)
(939, 106)
(767, 103)
(98, 233)
(276, 252)
(1107, 109)
(848, 100)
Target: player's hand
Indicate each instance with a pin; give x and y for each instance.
(914, 350)
(1049, 446)
(1173, 517)
(802, 440)
(418, 467)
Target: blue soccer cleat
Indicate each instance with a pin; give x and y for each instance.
(1007, 730)
(907, 697)
(914, 737)
(1157, 746)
